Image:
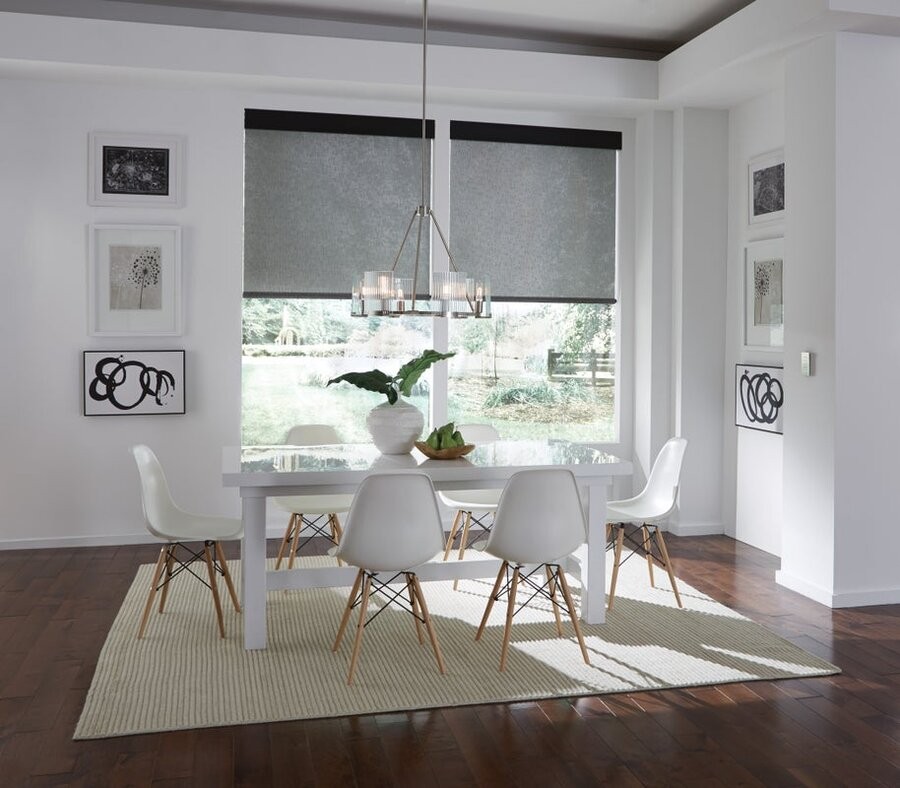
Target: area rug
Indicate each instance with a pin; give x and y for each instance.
(182, 675)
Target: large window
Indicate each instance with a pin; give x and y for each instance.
(532, 208)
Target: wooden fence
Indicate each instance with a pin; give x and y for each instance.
(600, 367)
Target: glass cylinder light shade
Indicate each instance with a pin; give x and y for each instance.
(448, 291)
(403, 293)
(478, 291)
(378, 291)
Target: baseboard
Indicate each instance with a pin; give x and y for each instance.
(695, 529)
(103, 540)
(867, 598)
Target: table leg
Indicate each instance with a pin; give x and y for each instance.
(593, 581)
(253, 571)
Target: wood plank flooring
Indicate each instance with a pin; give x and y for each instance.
(56, 607)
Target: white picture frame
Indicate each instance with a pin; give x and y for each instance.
(764, 295)
(759, 397)
(140, 170)
(134, 280)
(765, 179)
(133, 382)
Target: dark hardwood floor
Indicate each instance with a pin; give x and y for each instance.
(57, 605)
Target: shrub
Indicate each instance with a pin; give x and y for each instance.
(524, 394)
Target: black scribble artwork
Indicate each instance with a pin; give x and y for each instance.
(135, 170)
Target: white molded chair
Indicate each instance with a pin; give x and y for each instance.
(539, 521)
(393, 527)
(176, 527)
(306, 511)
(650, 507)
(469, 502)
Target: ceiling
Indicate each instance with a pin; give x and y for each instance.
(647, 29)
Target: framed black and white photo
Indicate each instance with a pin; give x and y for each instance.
(766, 180)
(763, 294)
(758, 397)
(135, 169)
(133, 382)
(134, 280)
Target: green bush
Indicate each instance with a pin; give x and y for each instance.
(523, 394)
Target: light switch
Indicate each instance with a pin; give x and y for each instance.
(806, 359)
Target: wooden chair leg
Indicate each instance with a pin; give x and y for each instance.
(414, 604)
(170, 561)
(211, 570)
(620, 538)
(346, 617)
(428, 625)
(157, 572)
(364, 603)
(510, 609)
(337, 532)
(665, 554)
(288, 533)
(462, 543)
(490, 602)
(298, 526)
(453, 529)
(645, 536)
(572, 614)
(227, 575)
(551, 587)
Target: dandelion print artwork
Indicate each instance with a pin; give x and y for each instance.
(768, 305)
(135, 277)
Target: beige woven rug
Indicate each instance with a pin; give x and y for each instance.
(183, 676)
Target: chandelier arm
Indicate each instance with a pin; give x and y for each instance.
(405, 236)
(443, 240)
(416, 266)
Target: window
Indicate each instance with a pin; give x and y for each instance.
(532, 208)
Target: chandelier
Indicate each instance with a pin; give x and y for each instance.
(452, 293)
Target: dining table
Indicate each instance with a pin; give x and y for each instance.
(261, 472)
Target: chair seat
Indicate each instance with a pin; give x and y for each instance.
(184, 527)
(467, 500)
(315, 504)
(635, 510)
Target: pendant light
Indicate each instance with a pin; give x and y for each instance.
(453, 293)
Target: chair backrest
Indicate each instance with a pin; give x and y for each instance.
(393, 524)
(478, 433)
(160, 511)
(539, 517)
(661, 490)
(312, 435)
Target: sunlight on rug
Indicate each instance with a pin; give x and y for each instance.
(182, 675)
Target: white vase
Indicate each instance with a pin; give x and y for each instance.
(395, 428)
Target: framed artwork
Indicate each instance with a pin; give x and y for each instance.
(135, 169)
(134, 280)
(758, 397)
(766, 180)
(133, 382)
(763, 295)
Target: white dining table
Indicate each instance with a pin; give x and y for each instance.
(260, 472)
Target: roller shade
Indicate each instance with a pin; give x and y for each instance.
(325, 197)
(534, 208)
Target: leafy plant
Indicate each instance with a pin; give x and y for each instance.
(393, 386)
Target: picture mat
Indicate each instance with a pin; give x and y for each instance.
(173, 143)
(764, 311)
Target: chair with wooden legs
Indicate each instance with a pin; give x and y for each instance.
(177, 529)
(308, 511)
(472, 506)
(393, 527)
(651, 507)
(539, 523)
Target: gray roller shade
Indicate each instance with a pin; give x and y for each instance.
(319, 208)
(538, 219)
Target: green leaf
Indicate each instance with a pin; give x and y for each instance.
(374, 380)
(411, 371)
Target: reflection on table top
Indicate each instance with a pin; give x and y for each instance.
(262, 465)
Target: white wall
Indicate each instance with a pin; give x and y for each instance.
(753, 460)
(842, 121)
(67, 479)
(700, 184)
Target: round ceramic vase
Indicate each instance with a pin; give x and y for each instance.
(395, 428)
